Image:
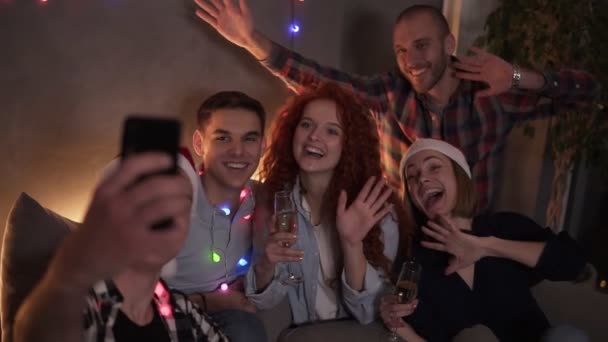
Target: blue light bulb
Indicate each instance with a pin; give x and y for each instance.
(243, 262)
(294, 28)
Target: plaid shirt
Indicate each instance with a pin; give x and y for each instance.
(183, 320)
(478, 127)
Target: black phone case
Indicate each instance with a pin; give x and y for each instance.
(145, 134)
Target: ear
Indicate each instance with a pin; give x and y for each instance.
(450, 44)
(197, 143)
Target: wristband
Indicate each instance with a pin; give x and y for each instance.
(516, 77)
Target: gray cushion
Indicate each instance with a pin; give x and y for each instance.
(278, 319)
(345, 330)
(31, 236)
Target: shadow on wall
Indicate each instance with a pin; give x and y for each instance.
(367, 42)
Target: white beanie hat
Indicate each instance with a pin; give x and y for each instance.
(423, 144)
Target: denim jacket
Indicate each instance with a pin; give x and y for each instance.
(362, 305)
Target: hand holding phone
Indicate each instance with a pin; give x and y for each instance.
(145, 133)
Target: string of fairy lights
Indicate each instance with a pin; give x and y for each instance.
(216, 253)
(294, 24)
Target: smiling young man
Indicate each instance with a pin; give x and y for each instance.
(470, 102)
(215, 257)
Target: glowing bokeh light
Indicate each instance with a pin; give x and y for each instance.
(165, 310)
(215, 257)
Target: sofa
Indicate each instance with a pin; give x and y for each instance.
(33, 232)
(580, 305)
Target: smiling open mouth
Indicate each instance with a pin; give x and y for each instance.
(418, 72)
(236, 165)
(431, 197)
(314, 152)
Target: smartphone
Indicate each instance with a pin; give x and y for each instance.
(145, 133)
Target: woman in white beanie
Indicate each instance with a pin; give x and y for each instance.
(476, 268)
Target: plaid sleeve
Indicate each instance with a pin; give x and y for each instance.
(92, 328)
(563, 90)
(570, 86)
(300, 73)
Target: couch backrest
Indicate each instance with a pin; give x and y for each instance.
(31, 236)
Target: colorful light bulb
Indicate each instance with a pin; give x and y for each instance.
(165, 310)
(215, 257)
(159, 290)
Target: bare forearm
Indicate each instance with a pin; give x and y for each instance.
(355, 266)
(50, 313)
(259, 46)
(524, 252)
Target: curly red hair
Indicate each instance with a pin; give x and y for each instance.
(360, 160)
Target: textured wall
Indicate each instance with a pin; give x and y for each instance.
(70, 70)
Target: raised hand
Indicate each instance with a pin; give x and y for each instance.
(464, 248)
(392, 312)
(116, 232)
(232, 21)
(485, 67)
(353, 223)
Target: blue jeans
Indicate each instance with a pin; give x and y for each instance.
(240, 326)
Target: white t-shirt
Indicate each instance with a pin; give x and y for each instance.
(326, 299)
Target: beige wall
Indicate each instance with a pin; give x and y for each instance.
(71, 70)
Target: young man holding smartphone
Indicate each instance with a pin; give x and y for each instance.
(216, 256)
(103, 283)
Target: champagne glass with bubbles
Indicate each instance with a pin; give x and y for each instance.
(405, 288)
(286, 221)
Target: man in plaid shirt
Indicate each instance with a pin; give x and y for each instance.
(115, 242)
(470, 102)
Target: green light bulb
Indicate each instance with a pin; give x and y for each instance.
(216, 257)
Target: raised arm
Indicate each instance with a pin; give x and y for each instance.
(360, 280)
(115, 233)
(235, 23)
(526, 94)
(509, 236)
(353, 224)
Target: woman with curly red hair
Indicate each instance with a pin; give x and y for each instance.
(324, 151)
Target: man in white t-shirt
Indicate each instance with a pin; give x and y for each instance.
(216, 255)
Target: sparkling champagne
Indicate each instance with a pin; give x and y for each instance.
(286, 221)
(407, 291)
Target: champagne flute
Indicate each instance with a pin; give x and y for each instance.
(286, 221)
(405, 288)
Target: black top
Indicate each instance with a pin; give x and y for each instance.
(501, 297)
(126, 330)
